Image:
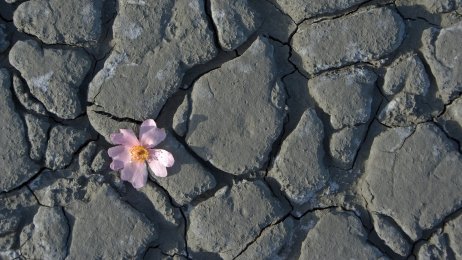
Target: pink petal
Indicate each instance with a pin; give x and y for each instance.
(135, 173)
(164, 157)
(139, 180)
(116, 165)
(158, 168)
(150, 135)
(119, 153)
(148, 123)
(125, 137)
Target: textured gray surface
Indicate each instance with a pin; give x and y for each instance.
(300, 129)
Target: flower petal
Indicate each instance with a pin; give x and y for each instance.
(141, 177)
(135, 173)
(148, 123)
(150, 135)
(158, 168)
(116, 165)
(164, 157)
(125, 137)
(119, 153)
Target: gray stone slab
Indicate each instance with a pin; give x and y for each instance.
(300, 178)
(406, 74)
(17, 166)
(63, 143)
(138, 78)
(338, 235)
(64, 186)
(454, 231)
(46, 237)
(235, 22)
(345, 95)
(109, 228)
(442, 52)
(414, 177)
(408, 86)
(187, 178)
(363, 36)
(436, 247)
(37, 131)
(275, 23)
(105, 125)
(26, 99)
(451, 120)
(16, 209)
(272, 241)
(155, 204)
(391, 234)
(344, 145)
(180, 119)
(247, 208)
(246, 91)
(53, 75)
(55, 21)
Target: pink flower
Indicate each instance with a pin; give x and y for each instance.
(132, 154)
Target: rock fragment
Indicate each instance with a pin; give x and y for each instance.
(408, 84)
(16, 209)
(53, 75)
(106, 125)
(46, 237)
(138, 78)
(63, 143)
(55, 21)
(247, 206)
(443, 54)
(17, 166)
(454, 230)
(338, 235)
(246, 91)
(187, 178)
(235, 22)
(437, 247)
(155, 205)
(364, 36)
(25, 98)
(344, 145)
(451, 120)
(391, 235)
(37, 129)
(101, 161)
(300, 10)
(275, 23)
(352, 89)
(429, 10)
(414, 177)
(62, 187)
(271, 242)
(301, 178)
(408, 74)
(109, 228)
(180, 119)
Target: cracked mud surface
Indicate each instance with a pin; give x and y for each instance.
(300, 129)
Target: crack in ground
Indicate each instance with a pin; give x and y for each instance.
(69, 233)
(260, 233)
(208, 13)
(427, 234)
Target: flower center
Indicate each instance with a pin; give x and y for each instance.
(139, 153)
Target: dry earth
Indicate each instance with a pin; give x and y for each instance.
(323, 129)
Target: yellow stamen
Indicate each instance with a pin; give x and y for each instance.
(139, 153)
